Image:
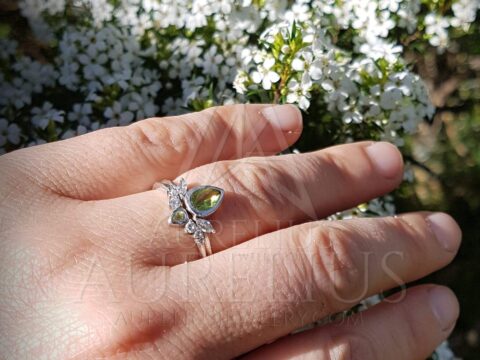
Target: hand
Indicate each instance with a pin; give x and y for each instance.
(90, 269)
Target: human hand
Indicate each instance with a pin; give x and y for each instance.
(90, 269)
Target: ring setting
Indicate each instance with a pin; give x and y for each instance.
(190, 207)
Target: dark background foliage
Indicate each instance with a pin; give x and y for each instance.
(446, 157)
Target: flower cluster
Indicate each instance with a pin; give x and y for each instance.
(100, 63)
(297, 65)
(437, 26)
(105, 63)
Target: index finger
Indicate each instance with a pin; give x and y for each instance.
(120, 161)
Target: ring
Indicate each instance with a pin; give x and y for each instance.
(190, 207)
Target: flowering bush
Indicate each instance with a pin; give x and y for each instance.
(100, 63)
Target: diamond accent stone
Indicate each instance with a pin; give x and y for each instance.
(191, 227)
(179, 190)
(174, 202)
(199, 236)
(205, 226)
(182, 187)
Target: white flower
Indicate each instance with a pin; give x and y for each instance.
(406, 117)
(316, 70)
(41, 117)
(93, 64)
(9, 133)
(327, 85)
(436, 26)
(69, 76)
(81, 113)
(379, 49)
(101, 10)
(300, 11)
(140, 104)
(211, 60)
(115, 115)
(265, 75)
(390, 97)
(443, 352)
(239, 82)
(352, 117)
(465, 12)
(374, 110)
(348, 87)
(298, 65)
(299, 93)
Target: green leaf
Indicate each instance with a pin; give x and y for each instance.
(4, 31)
(293, 32)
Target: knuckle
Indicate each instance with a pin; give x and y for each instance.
(224, 171)
(253, 179)
(411, 229)
(333, 160)
(337, 266)
(257, 177)
(229, 122)
(337, 165)
(267, 185)
(162, 143)
(227, 115)
(222, 114)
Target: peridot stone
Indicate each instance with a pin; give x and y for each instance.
(204, 200)
(179, 217)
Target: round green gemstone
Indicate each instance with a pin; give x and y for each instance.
(179, 216)
(206, 198)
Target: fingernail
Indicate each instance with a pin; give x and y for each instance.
(446, 231)
(444, 306)
(283, 117)
(386, 158)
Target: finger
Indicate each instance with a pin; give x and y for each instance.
(409, 329)
(124, 160)
(267, 287)
(262, 195)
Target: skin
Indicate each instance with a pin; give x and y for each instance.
(89, 268)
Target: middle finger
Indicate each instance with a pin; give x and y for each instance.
(261, 195)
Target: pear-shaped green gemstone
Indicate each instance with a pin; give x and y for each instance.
(204, 200)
